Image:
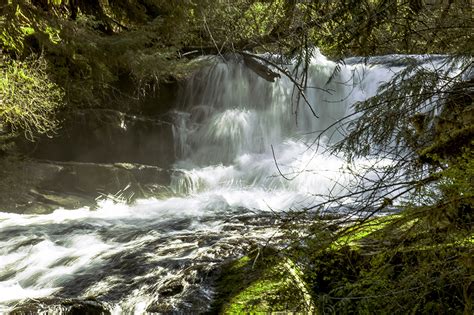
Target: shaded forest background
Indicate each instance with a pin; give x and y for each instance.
(59, 56)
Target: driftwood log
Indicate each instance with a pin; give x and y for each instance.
(260, 69)
(256, 66)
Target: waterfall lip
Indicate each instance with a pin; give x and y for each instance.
(388, 60)
(395, 60)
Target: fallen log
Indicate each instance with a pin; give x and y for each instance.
(261, 70)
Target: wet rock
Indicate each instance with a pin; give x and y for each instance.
(107, 136)
(43, 186)
(61, 306)
(95, 178)
(171, 289)
(154, 100)
(162, 308)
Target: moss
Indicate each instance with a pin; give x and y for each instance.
(357, 232)
(256, 298)
(262, 281)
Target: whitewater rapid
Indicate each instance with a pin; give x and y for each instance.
(232, 129)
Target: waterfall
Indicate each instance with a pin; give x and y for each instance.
(231, 129)
(229, 119)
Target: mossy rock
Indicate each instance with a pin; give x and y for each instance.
(260, 282)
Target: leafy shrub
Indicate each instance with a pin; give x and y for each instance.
(29, 99)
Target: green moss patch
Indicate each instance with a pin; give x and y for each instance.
(262, 281)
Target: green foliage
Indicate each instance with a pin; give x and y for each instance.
(447, 211)
(29, 100)
(90, 45)
(388, 26)
(397, 259)
(15, 27)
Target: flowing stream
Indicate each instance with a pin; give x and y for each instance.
(231, 129)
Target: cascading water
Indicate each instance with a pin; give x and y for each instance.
(230, 119)
(157, 254)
